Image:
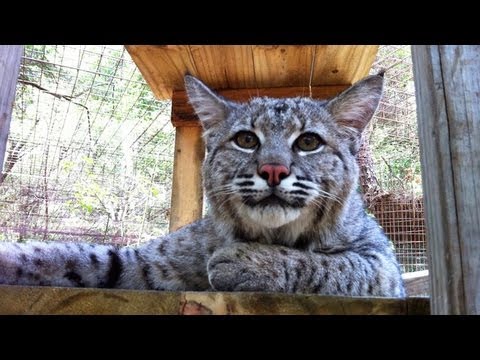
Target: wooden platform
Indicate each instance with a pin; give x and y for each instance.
(19, 300)
(251, 66)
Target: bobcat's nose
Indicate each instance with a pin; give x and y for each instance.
(273, 173)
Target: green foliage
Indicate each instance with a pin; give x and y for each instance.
(393, 134)
(32, 70)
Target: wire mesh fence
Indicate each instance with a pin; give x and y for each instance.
(391, 173)
(90, 152)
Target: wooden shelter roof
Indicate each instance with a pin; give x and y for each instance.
(251, 66)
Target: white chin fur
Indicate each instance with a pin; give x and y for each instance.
(271, 216)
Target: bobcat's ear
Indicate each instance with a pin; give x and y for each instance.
(211, 108)
(354, 107)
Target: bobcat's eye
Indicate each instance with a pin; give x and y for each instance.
(246, 139)
(308, 142)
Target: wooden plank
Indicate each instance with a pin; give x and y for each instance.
(184, 115)
(163, 67)
(447, 82)
(418, 305)
(417, 283)
(187, 192)
(280, 65)
(246, 66)
(224, 66)
(20, 300)
(344, 64)
(10, 56)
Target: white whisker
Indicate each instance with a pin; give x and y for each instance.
(329, 196)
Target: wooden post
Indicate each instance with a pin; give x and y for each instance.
(187, 194)
(10, 56)
(447, 82)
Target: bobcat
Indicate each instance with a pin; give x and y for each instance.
(285, 213)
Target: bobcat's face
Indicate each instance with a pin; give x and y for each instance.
(274, 159)
(271, 161)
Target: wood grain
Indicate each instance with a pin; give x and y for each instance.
(251, 66)
(19, 300)
(163, 66)
(187, 192)
(280, 65)
(447, 81)
(10, 56)
(224, 66)
(184, 115)
(343, 64)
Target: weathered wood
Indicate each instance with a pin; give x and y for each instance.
(184, 115)
(447, 82)
(418, 305)
(246, 66)
(187, 193)
(19, 300)
(10, 56)
(417, 283)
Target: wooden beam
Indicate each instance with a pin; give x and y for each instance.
(10, 56)
(184, 115)
(447, 82)
(163, 66)
(22, 300)
(187, 193)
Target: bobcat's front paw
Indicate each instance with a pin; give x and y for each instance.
(239, 268)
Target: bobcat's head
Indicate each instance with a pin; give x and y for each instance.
(272, 162)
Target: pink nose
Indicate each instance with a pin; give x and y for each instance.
(273, 173)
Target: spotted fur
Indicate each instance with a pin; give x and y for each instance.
(309, 233)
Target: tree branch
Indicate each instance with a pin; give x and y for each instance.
(64, 97)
